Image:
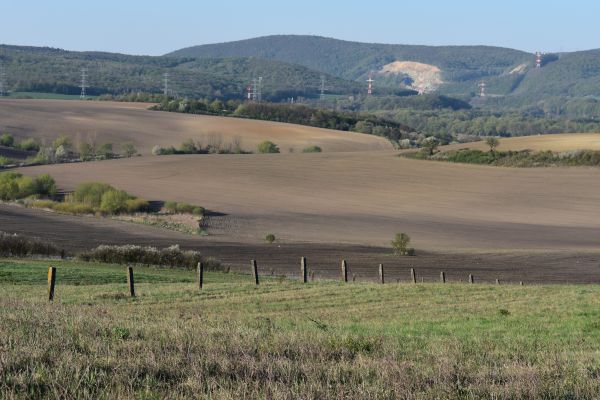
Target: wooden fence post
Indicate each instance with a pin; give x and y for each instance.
(381, 274)
(344, 271)
(470, 278)
(303, 270)
(51, 282)
(254, 271)
(443, 277)
(200, 275)
(413, 275)
(497, 281)
(130, 281)
(521, 283)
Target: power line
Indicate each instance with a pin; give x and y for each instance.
(322, 87)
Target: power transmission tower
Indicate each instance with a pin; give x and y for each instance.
(322, 87)
(538, 60)
(370, 88)
(83, 83)
(482, 87)
(166, 83)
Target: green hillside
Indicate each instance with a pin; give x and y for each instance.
(353, 60)
(510, 76)
(34, 69)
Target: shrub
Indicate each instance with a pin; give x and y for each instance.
(13, 245)
(5, 161)
(45, 185)
(172, 256)
(198, 210)
(29, 145)
(162, 151)
(171, 206)
(90, 193)
(16, 186)
(267, 147)
(188, 147)
(7, 140)
(184, 208)
(86, 151)
(400, 245)
(63, 141)
(106, 151)
(129, 149)
(42, 204)
(73, 208)
(114, 201)
(136, 205)
(270, 238)
(312, 149)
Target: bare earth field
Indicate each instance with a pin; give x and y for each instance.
(131, 122)
(558, 142)
(531, 224)
(515, 224)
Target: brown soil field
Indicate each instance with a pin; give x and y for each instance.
(557, 142)
(132, 122)
(82, 233)
(364, 198)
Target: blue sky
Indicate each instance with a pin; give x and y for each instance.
(157, 27)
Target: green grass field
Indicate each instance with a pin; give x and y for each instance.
(289, 340)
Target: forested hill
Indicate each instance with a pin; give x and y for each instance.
(353, 60)
(510, 75)
(37, 69)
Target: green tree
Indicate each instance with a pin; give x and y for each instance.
(7, 140)
(400, 244)
(493, 143)
(86, 151)
(217, 106)
(114, 201)
(62, 140)
(106, 151)
(267, 147)
(312, 149)
(29, 145)
(270, 238)
(188, 147)
(129, 149)
(430, 144)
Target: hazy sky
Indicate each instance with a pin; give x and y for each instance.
(157, 27)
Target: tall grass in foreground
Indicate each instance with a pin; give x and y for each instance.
(285, 340)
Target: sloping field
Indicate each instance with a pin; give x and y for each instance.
(366, 197)
(130, 122)
(558, 142)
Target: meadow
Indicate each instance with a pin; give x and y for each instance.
(288, 340)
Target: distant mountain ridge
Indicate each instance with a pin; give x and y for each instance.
(42, 69)
(507, 72)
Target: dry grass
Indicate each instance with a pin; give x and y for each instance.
(128, 122)
(288, 341)
(557, 143)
